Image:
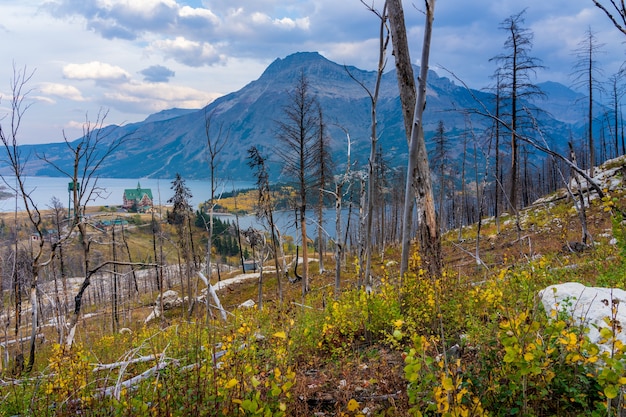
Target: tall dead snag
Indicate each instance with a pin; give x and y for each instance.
(266, 211)
(383, 41)
(418, 183)
(341, 181)
(298, 133)
(17, 163)
(323, 172)
(586, 73)
(215, 144)
(515, 71)
(616, 91)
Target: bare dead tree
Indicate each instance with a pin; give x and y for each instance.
(215, 144)
(59, 219)
(516, 68)
(341, 181)
(617, 91)
(266, 211)
(17, 163)
(585, 74)
(419, 184)
(297, 134)
(322, 174)
(383, 41)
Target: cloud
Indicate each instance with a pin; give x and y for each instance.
(131, 20)
(148, 97)
(118, 18)
(190, 15)
(73, 124)
(188, 52)
(110, 29)
(61, 91)
(157, 74)
(285, 23)
(95, 70)
(197, 36)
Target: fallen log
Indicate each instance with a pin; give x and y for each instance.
(23, 339)
(108, 366)
(116, 389)
(211, 291)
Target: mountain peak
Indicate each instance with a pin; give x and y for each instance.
(168, 114)
(296, 60)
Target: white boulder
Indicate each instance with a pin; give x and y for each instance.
(247, 304)
(593, 308)
(170, 300)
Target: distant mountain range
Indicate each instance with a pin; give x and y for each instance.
(174, 141)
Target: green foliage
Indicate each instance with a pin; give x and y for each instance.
(135, 219)
(359, 318)
(224, 241)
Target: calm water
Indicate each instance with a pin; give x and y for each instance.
(42, 189)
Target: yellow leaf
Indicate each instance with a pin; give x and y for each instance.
(606, 333)
(447, 384)
(610, 391)
(280, 335)
(231, 383)
(622, 380)
(353, 405)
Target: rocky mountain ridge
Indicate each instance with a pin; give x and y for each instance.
(174, 141)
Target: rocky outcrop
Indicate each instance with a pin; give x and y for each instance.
(170, 301)
(593, 308)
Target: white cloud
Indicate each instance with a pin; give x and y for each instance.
(190, 12)
(288, 23)
(62, 91)
(188, 52)
(73, 124)
(95, 70)
(150, 97)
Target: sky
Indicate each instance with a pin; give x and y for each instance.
(133, 58)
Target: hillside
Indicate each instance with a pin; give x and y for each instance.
(475, 341)
(174, 141)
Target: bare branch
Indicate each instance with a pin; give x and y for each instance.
(621, 12)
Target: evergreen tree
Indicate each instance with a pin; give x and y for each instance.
(181, 207)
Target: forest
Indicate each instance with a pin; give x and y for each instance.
(424, 299)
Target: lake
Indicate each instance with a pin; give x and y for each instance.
(285, 222)
(42, 189)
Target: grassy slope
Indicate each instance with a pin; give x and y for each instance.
(378, 354)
